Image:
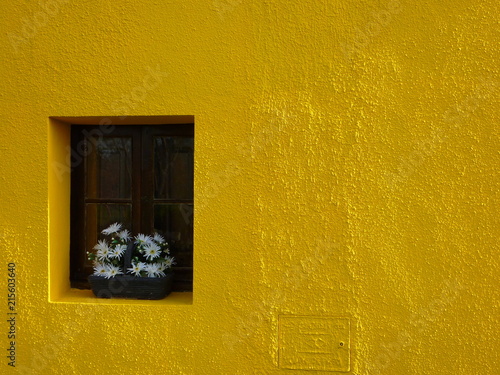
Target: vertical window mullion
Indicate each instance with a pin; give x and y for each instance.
(147, 183)
(137, 212)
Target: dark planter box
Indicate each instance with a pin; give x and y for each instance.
(127, 286)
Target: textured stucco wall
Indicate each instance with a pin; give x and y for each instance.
(346, 166)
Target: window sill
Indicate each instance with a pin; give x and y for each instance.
(80, 296)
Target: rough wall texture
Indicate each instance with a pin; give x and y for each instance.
(346, 166)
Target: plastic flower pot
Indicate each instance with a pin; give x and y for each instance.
(129, 286)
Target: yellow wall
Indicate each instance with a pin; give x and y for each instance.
(346, 177)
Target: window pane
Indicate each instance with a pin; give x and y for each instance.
(109, 168)
(173, 167)
(175, 223)
(102, 215)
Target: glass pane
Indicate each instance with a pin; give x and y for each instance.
(109, 168)
(102, 215)
(173, 167)
(175, 223)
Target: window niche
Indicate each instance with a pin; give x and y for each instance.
(139, 175)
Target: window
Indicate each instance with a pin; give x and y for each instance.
(140, 176)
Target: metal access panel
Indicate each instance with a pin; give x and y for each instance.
(314, 343)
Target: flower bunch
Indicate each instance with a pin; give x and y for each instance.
(150, 258)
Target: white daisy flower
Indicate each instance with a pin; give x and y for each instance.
(142, 239)
(124, 235)
(169, 262)
(113, 228)
(99, 269)
(136, 268)
(103, 253)
(103, 250)
(101, 245)
(158, 238)
(112, 271)
(152, 269)
(152, 251)
(118, 251)
(160, 268)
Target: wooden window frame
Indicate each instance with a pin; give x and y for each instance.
(142, 197)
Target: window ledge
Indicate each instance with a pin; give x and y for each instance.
(80, 296)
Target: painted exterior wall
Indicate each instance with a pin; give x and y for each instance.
(345, 182)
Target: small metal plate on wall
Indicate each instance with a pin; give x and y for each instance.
(314, 343)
